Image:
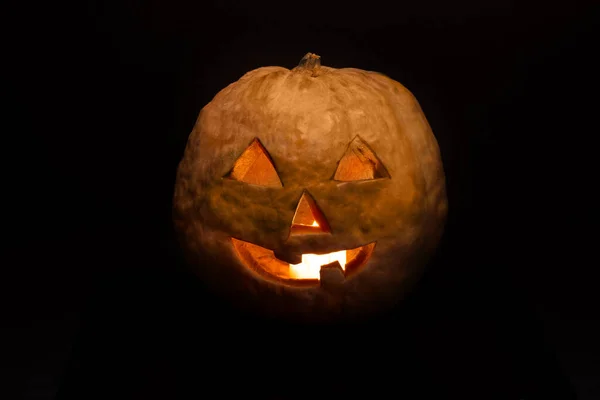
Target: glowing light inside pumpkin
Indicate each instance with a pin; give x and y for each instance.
(306, 272)
(310, 266)
(359, 163)
(308, 219)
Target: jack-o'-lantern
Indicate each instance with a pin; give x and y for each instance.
(312, 193)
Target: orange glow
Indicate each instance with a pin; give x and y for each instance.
(306, 273)
(308, 218)
(254, 166)
(310, 266)
(359, 163)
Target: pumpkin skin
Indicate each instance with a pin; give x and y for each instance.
(306, 119)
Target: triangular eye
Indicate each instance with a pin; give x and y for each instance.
(255, 167)
(359, 163)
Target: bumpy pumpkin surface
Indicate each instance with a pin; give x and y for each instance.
(305, 122)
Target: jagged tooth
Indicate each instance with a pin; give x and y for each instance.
(332, 275)
(289, 257)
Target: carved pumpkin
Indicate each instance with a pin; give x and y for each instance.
(311, 193)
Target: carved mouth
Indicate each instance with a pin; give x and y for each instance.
(308, 271)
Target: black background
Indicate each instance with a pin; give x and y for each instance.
(102, 97)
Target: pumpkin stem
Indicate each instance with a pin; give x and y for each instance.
(310, 62)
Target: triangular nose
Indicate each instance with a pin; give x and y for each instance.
(309, 218)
